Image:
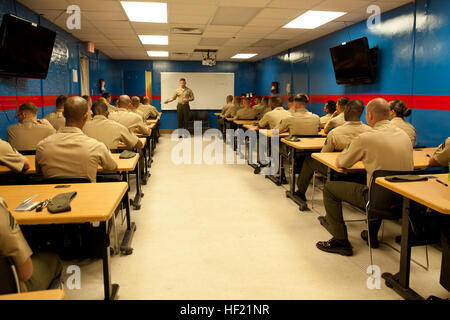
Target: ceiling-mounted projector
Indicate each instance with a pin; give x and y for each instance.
(208, 56)
(210, 62)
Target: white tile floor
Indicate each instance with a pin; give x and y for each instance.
(221, 232)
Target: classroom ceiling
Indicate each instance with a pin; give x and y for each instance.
(229, 26)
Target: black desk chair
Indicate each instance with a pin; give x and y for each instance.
(387, 205)
(9, 281)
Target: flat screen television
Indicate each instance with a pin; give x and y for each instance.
(25, 48)
(354, 62)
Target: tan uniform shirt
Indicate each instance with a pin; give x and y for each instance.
(56, 118)
(407, 127)
(339, 138)
(246, 113)
(183, 93)
(226, 107)
(12, 241)
(129, 119)
(259, 108)
(111, 108)
(334, 123)
(26, 135)
(10, 157)
(273, 118)
(147, 111)
(110, 132)
(324, 120)
(71, 153)
(442, 154)
(386, 147)
(232, 111)
(302, 122)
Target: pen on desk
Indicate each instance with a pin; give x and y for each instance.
(442, 182)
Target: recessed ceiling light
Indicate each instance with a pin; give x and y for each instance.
(313, 19)
(158, 40)
(244, 56)
(158, 53)
(145, 11)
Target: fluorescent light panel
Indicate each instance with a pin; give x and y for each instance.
(312, 19)
(155, 12)
(158, 53)
(244, 56)
(157, 40)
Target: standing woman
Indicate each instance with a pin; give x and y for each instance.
(184, 95)
(399, 111)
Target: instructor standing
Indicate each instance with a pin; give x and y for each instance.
(184, 95)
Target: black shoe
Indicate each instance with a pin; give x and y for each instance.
(257, 170)
(284, 180)
(374, 243)
(323, 221)
(335, 246)
(300, 195)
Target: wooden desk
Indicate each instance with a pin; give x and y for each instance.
(306, 143)
(124, 147)
(329, 159)
(322, 133)
(89, 205)
(428, 193)
(152, 121)
(268, 133)
(244, 122)
(218, 114)
(56, 294)
(305, 146)
(122, 165)
(251, 127)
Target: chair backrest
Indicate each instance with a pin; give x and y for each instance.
(59, 180)
(384, 203)
(9, 282)
(27, 152)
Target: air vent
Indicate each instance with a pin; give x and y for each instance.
(190, 31)
(181, 54)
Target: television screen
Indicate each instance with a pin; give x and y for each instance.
(25, 48)
(353, 63)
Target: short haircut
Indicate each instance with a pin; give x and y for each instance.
(86, 97)
(136, 99)
(145, 99)
(331, 106)
(74, 109)
(102, 99)
(230, 98)
(115, 99)
(106, 95)
(99, 108)
(183, 79)
(60, 101)
(276, 101)
(343, 101)
(258, 98)
(124, 101)
(400, 108)
(291, 99)
(302, 98)
(265, 99)
(379, 107)
(247, 100)
(27, 107)
(353, 110)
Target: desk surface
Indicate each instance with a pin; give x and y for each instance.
(56, 294)
(245, 122)
(329, 159)
(123, 146)
(306, 143)
(151, 121)
(94, 202)
(428, 193)
(218, 114)
(144, 135)
(251, 127)
(268, 133)
(123, 165)
(322, 133)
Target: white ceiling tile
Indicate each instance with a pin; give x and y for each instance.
(293, 4)
(234, 16)
(246, 3)
(45, 4)
(341, 5)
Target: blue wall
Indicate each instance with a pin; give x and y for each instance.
(414, 60)
(66, 56)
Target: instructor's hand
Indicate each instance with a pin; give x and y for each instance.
(186, 100)
(166, 102)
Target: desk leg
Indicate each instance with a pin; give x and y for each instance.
(139, 194)
(144, 169)
(302, 206)
(400, 281)
(274, 179)
(125, 246)
(110, 289)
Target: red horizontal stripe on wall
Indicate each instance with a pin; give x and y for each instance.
(428, 102)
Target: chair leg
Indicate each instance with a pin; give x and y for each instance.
(313, 190)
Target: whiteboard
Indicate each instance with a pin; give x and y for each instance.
(210, 89)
